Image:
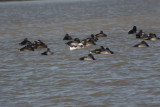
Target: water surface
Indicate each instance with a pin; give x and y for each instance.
(128, 78)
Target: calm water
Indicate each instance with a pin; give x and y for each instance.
(128, 78)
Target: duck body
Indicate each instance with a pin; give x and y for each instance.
(106, 51)
(142, 44)
(101, 34)
(102, 50)
(27, 48)
(76, 44)
(133, 30)
(76, 41)
(97, 51)
(67, 37)
(89, 57)
(25, 42)
(89, 43)
(39, 45)
(48, 52)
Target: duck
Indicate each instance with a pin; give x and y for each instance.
(89, 43)
(142, 44)
(67, 37)
(106, 51)
(25, 42)
(153, 37)
(75, 42)
(90, 38)
(101, 34)
(74, 47)
(39, 44)
(97, 51)
(89, 57)
(133, 30)
(102, 50)
(48, 52)
(27, 48)
(139, 34)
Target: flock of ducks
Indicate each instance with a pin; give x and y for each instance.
(76, 43)
(29, 46)
(144, 36)
(90, 41)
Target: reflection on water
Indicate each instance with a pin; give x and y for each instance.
(128, 77)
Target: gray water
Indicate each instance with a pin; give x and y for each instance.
(128, 78)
